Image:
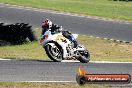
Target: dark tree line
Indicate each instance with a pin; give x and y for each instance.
(16, 33)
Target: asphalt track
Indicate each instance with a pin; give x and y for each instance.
(81, 25)
(42, 71)
(14, 70)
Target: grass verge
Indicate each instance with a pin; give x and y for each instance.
(102, 8)
(100, 50)
(47, 85)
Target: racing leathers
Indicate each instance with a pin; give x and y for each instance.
(65, 33)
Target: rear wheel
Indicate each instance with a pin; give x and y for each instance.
(84, 56)
(54, 52)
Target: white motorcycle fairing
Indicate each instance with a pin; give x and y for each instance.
(64, 43)
(57, 38)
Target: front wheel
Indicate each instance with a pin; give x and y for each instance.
(54, 52)
(84, 56)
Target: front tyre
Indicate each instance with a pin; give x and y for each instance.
(54, 52)
(84, 56)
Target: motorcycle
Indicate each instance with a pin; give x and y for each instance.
(59, 48)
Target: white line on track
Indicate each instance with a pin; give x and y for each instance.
(109, 62)
(69, 61)
(106, 38)
(4, 59)
(94, 61)
(76, 61)
(48, 81)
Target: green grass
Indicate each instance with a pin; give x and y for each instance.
(107, 50)
(100, 50)
(30, 50)
(102, 8)
(47, 85)
(26, 51)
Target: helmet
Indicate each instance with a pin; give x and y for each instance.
(46, 24)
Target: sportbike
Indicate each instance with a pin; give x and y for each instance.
(60, 48)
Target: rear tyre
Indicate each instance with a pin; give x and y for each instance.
(54, 52)
(84, 56)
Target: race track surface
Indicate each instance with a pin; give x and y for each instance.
(81, 25)
(15, 70)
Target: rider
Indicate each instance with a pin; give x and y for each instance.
(47, 24)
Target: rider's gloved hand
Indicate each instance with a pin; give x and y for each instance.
(60, 29)
(55, 28)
